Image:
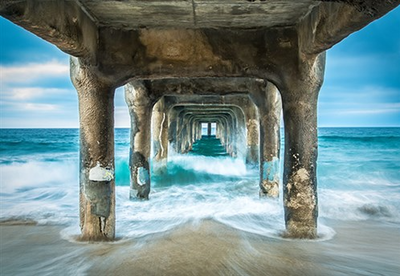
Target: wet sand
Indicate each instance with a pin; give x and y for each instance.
(207, 248)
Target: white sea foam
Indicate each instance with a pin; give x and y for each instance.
(211, 165)
(47, 192)
(35, 174)
(359, 205)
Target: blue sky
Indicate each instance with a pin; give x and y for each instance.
(361, 88)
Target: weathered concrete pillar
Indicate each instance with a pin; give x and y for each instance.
(195, 129)
(140, 109)
(192, 130)
(240, 139)
(231, 132)
(226, 134)
(160, 137)
(186, 144)
(182, 133)
(252, 134)
(172, 128)
(97, 186)
(198, 130)
(299, 100)
(222, 132)
(269, 109)
(233, 135)
(209, 129)
(179, 132)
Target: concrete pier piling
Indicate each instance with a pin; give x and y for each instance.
(299, 101)
(269, 109)
(97, 184)
(140, 107)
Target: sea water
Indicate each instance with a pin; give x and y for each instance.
(358, 180)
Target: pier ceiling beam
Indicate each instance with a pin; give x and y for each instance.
(209, 101)
(65, 24)
(133, 14)
(97, 184)
(196, 38)
(196, 53)
(205, 86)
(333, 20)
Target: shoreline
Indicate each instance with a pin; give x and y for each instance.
(206, 248)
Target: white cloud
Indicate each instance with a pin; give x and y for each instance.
(377, 109)
(38, 107)
(17, 107)
(29, 93)
(360, 109)
(32, 72)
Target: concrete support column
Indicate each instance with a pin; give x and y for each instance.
(188, 136)
(222, 131)
(209, 129)
(186, 144)
(173, 129)
(240, 132)
(226, 135)
(252, 136)
(97, 186)
(195, 129)
(182, 133)
(197, 126)
(232, 136)
(299, 100)
(270, 141)
(160, 137)
(198, 130)
(192, 130)
(180, 130)
(191, 127)
(140, 109)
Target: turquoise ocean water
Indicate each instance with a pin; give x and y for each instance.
(358, 179)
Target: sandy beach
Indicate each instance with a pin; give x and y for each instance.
(207, 248)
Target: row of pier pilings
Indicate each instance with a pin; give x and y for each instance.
(167, 113)
(175, 122)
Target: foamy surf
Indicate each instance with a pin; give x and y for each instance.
(43, 187)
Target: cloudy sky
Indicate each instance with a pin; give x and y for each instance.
(361, 88)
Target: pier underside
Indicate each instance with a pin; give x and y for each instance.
(240, 65)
